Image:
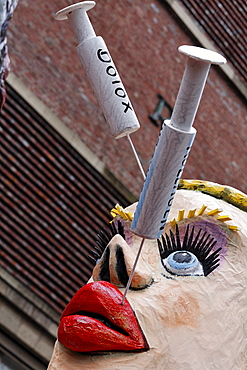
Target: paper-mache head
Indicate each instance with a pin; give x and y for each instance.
(187, 304)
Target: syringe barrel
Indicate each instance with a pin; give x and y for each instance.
(162, 179)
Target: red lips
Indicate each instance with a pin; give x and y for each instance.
(95, 321)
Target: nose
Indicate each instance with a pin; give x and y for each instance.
(115, 266)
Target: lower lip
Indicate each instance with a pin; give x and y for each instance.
(84, 334)
(87, 334)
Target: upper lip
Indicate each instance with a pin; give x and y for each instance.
(95, 321)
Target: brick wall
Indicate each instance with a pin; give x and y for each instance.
(143, 37)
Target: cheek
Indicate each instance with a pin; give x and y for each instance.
(178, 308)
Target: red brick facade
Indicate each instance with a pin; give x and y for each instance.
(143, 37)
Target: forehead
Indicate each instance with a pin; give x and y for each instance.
(194, 200)
(188, 200)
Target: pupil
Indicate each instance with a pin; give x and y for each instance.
(182, 257)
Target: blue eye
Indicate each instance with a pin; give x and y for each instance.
(195, 254)
(183, 263)
(182, 260)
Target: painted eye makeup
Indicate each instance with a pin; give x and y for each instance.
(103, 239)
(194, 255)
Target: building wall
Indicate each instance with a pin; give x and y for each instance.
(28, 326)
(53, 205)
(143, 37)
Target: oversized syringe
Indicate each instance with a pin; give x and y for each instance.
(172, 149)
(102, 73)
(173, 146)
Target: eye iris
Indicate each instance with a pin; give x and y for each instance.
(182, 260)
(182, 257)
(183, 263)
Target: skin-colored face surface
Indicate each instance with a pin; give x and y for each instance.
(189, 322)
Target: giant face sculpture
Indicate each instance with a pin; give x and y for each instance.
(187, 305)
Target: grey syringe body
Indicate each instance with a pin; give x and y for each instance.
(101, 71)
(173, 147)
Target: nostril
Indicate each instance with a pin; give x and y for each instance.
(121, 266)
(102, 270)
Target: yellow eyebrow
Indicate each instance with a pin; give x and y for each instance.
(232, 227)
(173, 222)
(180, 214)
(224, 218)
(119, 211)
(201, 211)
(192, 213)
(214, 212)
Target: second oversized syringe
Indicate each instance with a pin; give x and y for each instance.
(101, 71)
(102, 74)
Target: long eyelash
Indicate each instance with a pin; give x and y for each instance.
(103, 239)
(200, 245)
